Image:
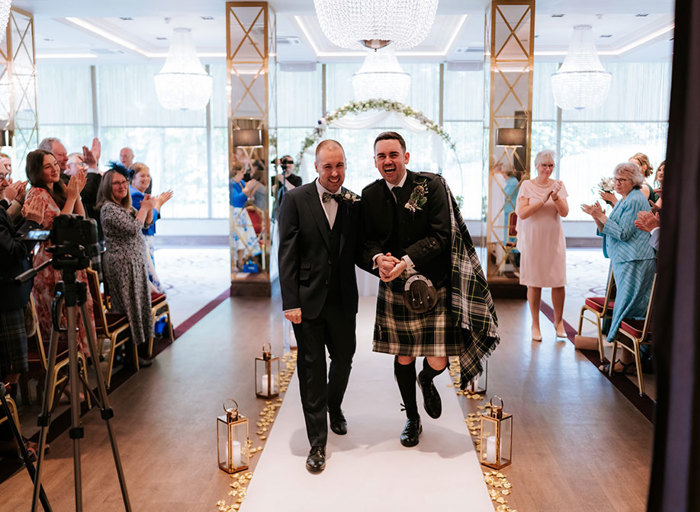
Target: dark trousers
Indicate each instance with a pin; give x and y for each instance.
(334, 329)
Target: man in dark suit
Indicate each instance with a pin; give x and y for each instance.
(318, 245)
(407, 231)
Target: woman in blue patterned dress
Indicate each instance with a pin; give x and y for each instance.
(631, 255)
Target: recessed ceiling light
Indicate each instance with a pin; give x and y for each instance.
(642, 15)
(161, 38)
(126, 18)
(536, 36)
(606, 35)
(48, 39)
(207, 18)
(557, 15)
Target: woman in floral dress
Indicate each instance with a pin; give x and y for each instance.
(125, 258)
(54, 198)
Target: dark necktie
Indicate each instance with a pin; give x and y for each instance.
(326, 197)
(397, 192)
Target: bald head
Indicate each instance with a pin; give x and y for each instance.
(126, 157)
(328, 144)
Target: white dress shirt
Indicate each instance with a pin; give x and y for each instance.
(331, 207)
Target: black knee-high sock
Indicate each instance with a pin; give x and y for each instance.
(406, 379)
(429, 373)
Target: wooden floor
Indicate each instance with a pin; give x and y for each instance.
(579, 445)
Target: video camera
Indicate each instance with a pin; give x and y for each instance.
(74, 239)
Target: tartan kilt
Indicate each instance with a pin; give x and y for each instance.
(400, 332)
(13, 342)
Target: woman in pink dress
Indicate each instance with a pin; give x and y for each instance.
(54, 198)
(540, 206)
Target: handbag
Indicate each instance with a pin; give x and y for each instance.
(420, 296)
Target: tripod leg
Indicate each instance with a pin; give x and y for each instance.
(45, 415)
(76, 431)
(105, 409)
(23, 449)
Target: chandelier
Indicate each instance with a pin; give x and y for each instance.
(581, 81)
(381, 77)
(182, 82)
(5, 6)
(376, 23)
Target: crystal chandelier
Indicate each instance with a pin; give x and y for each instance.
(581, 81)
(381, 77)
(5, 6)
(376, 23)
(183, 83)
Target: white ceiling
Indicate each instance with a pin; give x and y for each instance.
(148, 30)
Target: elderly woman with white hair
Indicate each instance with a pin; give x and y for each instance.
(540, 206)
(631, 256)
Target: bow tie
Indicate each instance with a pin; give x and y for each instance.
(326, 197)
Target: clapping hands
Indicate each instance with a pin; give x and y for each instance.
(76, 184)
(148, 202)
(16, 191)
(163, 198)
(554, 193)
(594, 210)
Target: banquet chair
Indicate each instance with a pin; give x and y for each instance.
(13, 413)
(160, 309)
(38, 364)
(111, 326)
(601, 308)
(638, 332)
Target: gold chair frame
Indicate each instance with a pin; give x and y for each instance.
(599, 315)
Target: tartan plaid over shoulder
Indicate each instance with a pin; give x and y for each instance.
(471, 303)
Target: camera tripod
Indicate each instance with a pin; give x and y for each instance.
(73, 294)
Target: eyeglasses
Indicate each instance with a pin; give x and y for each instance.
(5, 176)
(119, 183)
(547, 165)
(620, 180)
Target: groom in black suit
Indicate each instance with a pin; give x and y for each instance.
(318, 246)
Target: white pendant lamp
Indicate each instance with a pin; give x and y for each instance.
(581, 81)
(381, 77)
(182, 83)
(376, 23)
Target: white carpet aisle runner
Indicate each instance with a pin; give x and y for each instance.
(368, 470)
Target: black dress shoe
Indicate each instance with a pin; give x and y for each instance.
(316, 461)
(413, 429)
(339, 424)
(144, 363)
(431, 397)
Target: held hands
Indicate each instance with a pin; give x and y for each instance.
(390, 267)
(293, 315)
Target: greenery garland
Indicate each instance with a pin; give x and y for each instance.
(355, 107)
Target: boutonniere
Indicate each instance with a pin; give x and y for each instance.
(418, 198)
(349, 196)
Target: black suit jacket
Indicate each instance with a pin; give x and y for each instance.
(304, 252)
(15, 258)
(423, 235)
(89, 198)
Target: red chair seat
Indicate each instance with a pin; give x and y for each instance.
(157, 298)
(255, 220)
(633, 327)
(596, 303)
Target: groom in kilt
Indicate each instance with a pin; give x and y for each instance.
(407, 227)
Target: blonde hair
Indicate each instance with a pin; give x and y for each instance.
(643, 161)
(138, 167)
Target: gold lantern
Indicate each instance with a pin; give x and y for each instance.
(232, 439)
(478, 384)
(267, 374)
(496, 436)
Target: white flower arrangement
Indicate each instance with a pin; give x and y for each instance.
(355, 107)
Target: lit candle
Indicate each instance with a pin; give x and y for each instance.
(236, 450)
(491, 449)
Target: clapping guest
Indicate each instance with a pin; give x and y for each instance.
(140, 182)
(660, 170)
(11, 194)
(244, 240)
(54, 146)
(540, 206)
(124, 263)
(651, 223)
(50, 196)
(631, 256)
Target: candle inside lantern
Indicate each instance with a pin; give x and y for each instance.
(273, 381)
(491, 449)
(236, 452)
